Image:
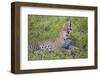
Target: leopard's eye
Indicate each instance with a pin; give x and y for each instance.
(64, 39)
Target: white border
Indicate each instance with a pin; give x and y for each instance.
(25, 64)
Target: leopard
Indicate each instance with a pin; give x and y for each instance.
(62, 41)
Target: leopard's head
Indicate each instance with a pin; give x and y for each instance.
(67, 27)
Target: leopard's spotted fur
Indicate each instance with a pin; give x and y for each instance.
(58, 43)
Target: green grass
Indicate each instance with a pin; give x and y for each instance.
(44, 28)
(56, 54)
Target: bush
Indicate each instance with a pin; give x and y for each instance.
(79, 34)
